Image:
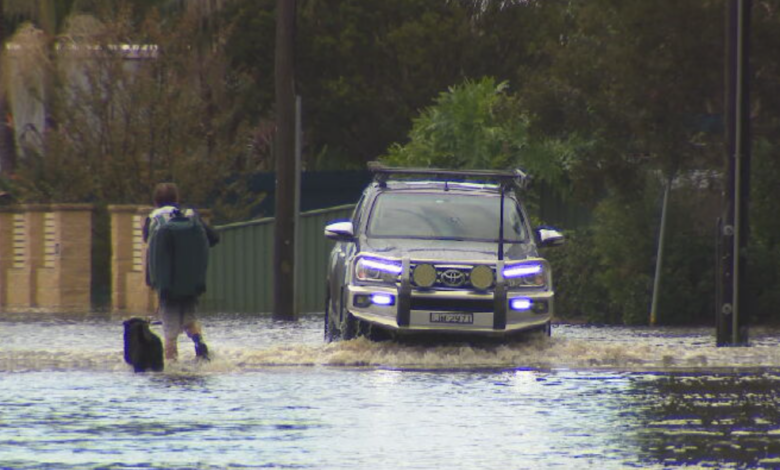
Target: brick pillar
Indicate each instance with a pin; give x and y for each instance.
(6, 250)
(65, 277)
(128, 261)
(142, 297)
(122, 217)
(28, 227)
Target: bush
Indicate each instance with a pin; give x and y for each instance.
(605, 272)
(579, 295)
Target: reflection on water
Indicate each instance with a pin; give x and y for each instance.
(712, 418)
(276, 396)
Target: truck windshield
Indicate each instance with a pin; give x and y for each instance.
(445, 217)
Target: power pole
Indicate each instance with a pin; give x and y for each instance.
(731, 307)
(284, 231)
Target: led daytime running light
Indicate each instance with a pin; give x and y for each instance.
(521, 270)
(382, 299)
(382, 266)
(520, 303)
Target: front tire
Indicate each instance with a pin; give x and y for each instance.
(327, 327)
(331, 326)
(351, 326)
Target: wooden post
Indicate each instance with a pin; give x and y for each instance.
(284, 231)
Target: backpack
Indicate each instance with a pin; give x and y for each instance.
(178, 253)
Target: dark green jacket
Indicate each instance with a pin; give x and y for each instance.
(178, 257)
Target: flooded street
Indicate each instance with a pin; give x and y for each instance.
(276, 396)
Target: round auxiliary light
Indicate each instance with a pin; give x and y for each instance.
(424, 275)
(481, 277)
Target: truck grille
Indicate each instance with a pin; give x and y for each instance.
(452, 277)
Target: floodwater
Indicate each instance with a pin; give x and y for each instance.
(276, 396)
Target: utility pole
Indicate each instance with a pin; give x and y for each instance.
(731, 312)
(284, 230)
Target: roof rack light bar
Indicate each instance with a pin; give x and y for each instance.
(383, 172)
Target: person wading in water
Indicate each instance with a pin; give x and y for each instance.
(176, 262)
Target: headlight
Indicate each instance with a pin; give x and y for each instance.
(377, 269)
(525, 275)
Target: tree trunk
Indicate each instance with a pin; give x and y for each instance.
(284, 232)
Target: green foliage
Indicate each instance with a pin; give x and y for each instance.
(479, 125)
(765, 193)
(576, 268)
(763, 292)
(605, 274)
(687, 292)
(367, 65)
(464, 129)
(623, 244)
(630, 75)
(764, 249)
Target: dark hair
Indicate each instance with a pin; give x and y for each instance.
(165, 194)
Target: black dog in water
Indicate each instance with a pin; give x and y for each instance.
(143, 349)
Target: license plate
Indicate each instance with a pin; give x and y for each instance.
(448, 317)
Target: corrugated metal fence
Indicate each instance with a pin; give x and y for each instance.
(240, 275)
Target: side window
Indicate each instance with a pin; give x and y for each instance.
(358, 212)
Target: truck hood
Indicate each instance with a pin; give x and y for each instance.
(446, 249)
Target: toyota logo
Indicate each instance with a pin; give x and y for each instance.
(453, 278)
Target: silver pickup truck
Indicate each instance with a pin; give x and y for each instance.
(438, 251)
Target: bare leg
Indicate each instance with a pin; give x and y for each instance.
(171, 349)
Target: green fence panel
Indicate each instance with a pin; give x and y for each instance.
(240, 274)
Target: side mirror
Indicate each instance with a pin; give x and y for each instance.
(550, 237)
(340, 231)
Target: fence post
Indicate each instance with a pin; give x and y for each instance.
(129, 291)
(64, 276)
(27, 256)
(140, 297)
(6, 250)
(121, 252)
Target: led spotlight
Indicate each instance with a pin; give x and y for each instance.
(520, 303)
(424, 275)
(481, 277)
(382, 299)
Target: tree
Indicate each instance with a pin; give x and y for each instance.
(478, 124)
(123, 128)
(633, 76)
(366, 66)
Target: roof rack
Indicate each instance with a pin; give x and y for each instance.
(382, 173)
